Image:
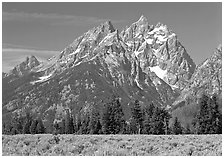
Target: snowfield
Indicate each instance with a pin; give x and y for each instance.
(112, 145)
(159, 72)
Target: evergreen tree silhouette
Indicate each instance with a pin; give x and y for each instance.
(33, 127)
(113, 117)
(137, 115)
(40, 127)
(176, 127)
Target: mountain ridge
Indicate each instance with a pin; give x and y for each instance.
(143, 62)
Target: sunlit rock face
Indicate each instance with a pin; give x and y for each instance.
(159, 51)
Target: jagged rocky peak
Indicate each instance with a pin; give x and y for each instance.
(31, 61)
(207, 78)
(90, 39)
(159, 51)
(142, 20)
(108, 25)
(25, 66)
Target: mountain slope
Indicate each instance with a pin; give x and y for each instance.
(206, 78)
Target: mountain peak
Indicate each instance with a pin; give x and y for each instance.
(31, 58)
(25, 66)
(142, 20)
(108, 26)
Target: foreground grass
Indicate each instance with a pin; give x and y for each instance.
(112, 145)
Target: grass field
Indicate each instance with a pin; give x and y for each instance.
(112, 145)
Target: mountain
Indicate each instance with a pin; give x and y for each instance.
(206, 78)
(158, 50)
(143, 62)
(25, 67)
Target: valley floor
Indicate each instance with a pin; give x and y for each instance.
(112, 145)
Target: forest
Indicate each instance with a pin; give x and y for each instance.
(151, 120)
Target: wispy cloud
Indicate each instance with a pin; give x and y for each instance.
(53, 19)
(13, 56)
(9, 45)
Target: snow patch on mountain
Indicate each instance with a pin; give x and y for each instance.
(159, 72)
(42, 79)
(149, 40)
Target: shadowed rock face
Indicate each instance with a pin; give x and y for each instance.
(143, 62)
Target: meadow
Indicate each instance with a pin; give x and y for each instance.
(111, 145)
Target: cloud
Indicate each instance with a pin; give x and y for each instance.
(54, 19)
(13, 56)
(9, 45)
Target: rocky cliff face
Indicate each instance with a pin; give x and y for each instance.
(143, 62)
(159, 51)
(207, 78)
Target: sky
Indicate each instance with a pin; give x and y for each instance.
(44, 29)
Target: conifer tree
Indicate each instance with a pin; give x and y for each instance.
(94, 123)
(69, 128)
(84, 129)
(56, 128)
(17, 123)
(62, 127)
(176, 127)
(40, 127)
(215, 116)
(33, 127)
(187, 130)
(133, 126)
(158, 123)
(26, 127)
(137, 115)
(78, 124)
(148, 113)
(208, 119)
(113, 117)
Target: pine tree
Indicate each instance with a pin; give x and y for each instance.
(56, 128)
(137, 115)
(84, 129)
(215, 116)
(158, 123)
(94, 123)
(17, 123)
(176, 127)
(40, 127)
(33, 127)
(69, 128)
(26, 127)
(208, 119)
(62, 127)
(187, 130)
(113, 117)
(147, 115)
(78, 124)
(133, 128)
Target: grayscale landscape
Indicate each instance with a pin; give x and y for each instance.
(118, 83)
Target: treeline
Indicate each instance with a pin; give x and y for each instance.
(144, 120)
(23, 125)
